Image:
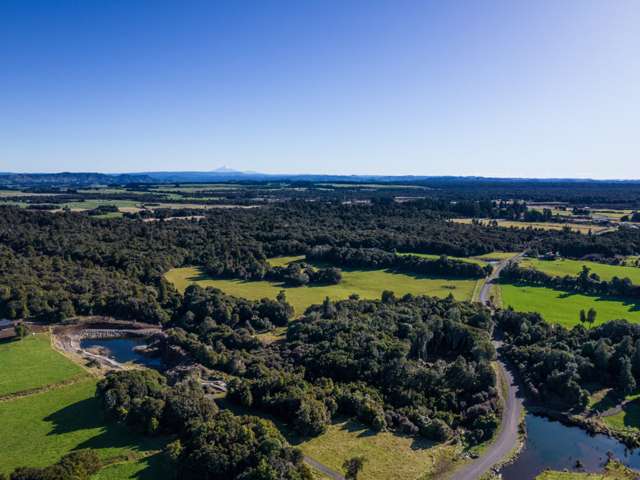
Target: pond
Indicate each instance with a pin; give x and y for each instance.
(552, 445)
(122, 350)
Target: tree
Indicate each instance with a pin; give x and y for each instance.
(22, 330)
(583, 317)
(591, 316)
(352, 467)
(626, 382)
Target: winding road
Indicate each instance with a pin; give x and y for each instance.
(507, 437)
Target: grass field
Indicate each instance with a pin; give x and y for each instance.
(387, 455)
(564, 308)
(366, 283)
(37, 430)
(32, 363)
(562, 267)
(148, 468)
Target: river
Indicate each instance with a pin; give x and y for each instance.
(552, 445)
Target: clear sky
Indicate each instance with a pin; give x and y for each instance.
(545, 88)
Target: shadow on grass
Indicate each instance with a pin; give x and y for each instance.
(348, 424)
(610, 400)
(632, 304)
(87, 415)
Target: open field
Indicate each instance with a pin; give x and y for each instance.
(366, 283)
(32, 363)
(148, 468)
(562, 267)
(541, 225)
(387, 455)
(562, 307)
(37, 430)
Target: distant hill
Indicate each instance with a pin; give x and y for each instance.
(69, 179)
(225, 174)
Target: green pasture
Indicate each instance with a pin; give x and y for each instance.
(32, 363)
(37, 430)
(148, 468)
(562, 267)
(564, 308)
(387, 455)
(629, 417)
(366, 283)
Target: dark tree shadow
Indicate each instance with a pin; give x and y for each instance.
(87, 415)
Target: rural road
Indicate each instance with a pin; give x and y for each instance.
(323, 468)
(507, 437)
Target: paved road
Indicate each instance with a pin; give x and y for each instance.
(508, 435)
(323, 468)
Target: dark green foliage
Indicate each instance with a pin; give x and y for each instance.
(585, 282)
(417, 365)
(352, 467)
(211, 444)
(78, 465)
(376, 258)
(556, 364)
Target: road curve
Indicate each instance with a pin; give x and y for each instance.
(507, 437)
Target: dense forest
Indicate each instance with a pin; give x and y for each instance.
(417, 365)
(211, 444)
(557, 364)
(55, 266)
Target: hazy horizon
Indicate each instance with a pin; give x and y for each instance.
(490, 88)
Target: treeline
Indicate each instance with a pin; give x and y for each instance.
(415, 365)
(78, 465)
(58, 265)
(376, 258)
(557, 364)
(586, 282)
(301, 273)
(210, 444)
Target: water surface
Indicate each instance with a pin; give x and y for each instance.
(552, 445)
(121, 350)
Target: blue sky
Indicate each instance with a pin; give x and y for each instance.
(493, 88)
